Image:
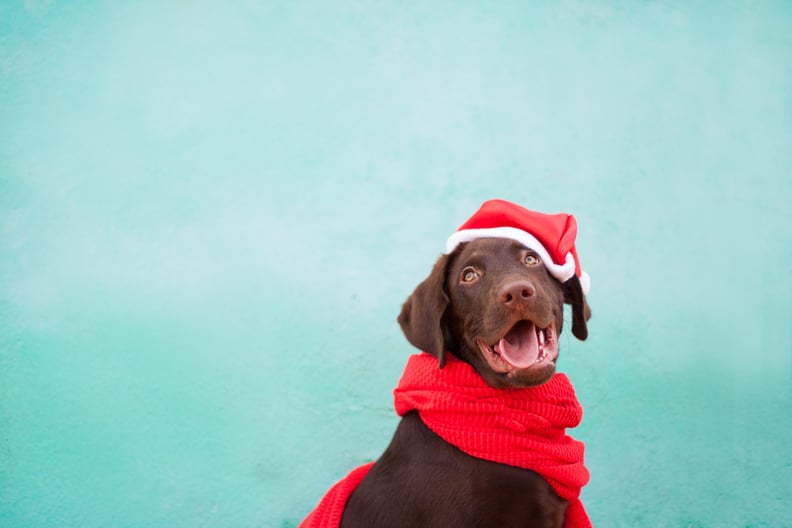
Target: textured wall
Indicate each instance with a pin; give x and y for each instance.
(210, 214)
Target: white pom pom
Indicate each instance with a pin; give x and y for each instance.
(585, 282)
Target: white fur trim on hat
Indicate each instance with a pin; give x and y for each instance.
(562, 272)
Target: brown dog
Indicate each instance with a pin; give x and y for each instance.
(493, 304)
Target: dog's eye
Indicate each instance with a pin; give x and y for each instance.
(469, 275)
(532, 260)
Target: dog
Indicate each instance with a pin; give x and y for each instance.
(493, 305)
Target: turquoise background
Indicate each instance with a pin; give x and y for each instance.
(211, 212)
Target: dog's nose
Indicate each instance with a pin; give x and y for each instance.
(515, 293)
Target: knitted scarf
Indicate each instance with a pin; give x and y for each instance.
(518, 427)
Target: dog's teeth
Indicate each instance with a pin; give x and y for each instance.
(541, 337)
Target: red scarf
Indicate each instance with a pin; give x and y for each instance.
(518, 427)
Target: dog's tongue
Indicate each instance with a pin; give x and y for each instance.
(520, 347)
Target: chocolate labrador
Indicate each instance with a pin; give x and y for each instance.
(493, 304)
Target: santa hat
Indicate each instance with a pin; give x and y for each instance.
(552, 237)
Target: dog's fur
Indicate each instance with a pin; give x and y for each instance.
(471, 299)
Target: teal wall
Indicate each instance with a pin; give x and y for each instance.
(210, 213)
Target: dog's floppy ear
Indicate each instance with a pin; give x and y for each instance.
(573, 294)
(421, 317)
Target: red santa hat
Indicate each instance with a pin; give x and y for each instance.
(552, 237)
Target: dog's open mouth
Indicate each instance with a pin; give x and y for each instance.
(524, 346)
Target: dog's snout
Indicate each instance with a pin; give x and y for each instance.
(515, 293)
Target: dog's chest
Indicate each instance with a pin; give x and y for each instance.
(421, 480)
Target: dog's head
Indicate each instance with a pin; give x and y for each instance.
(493, 303)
